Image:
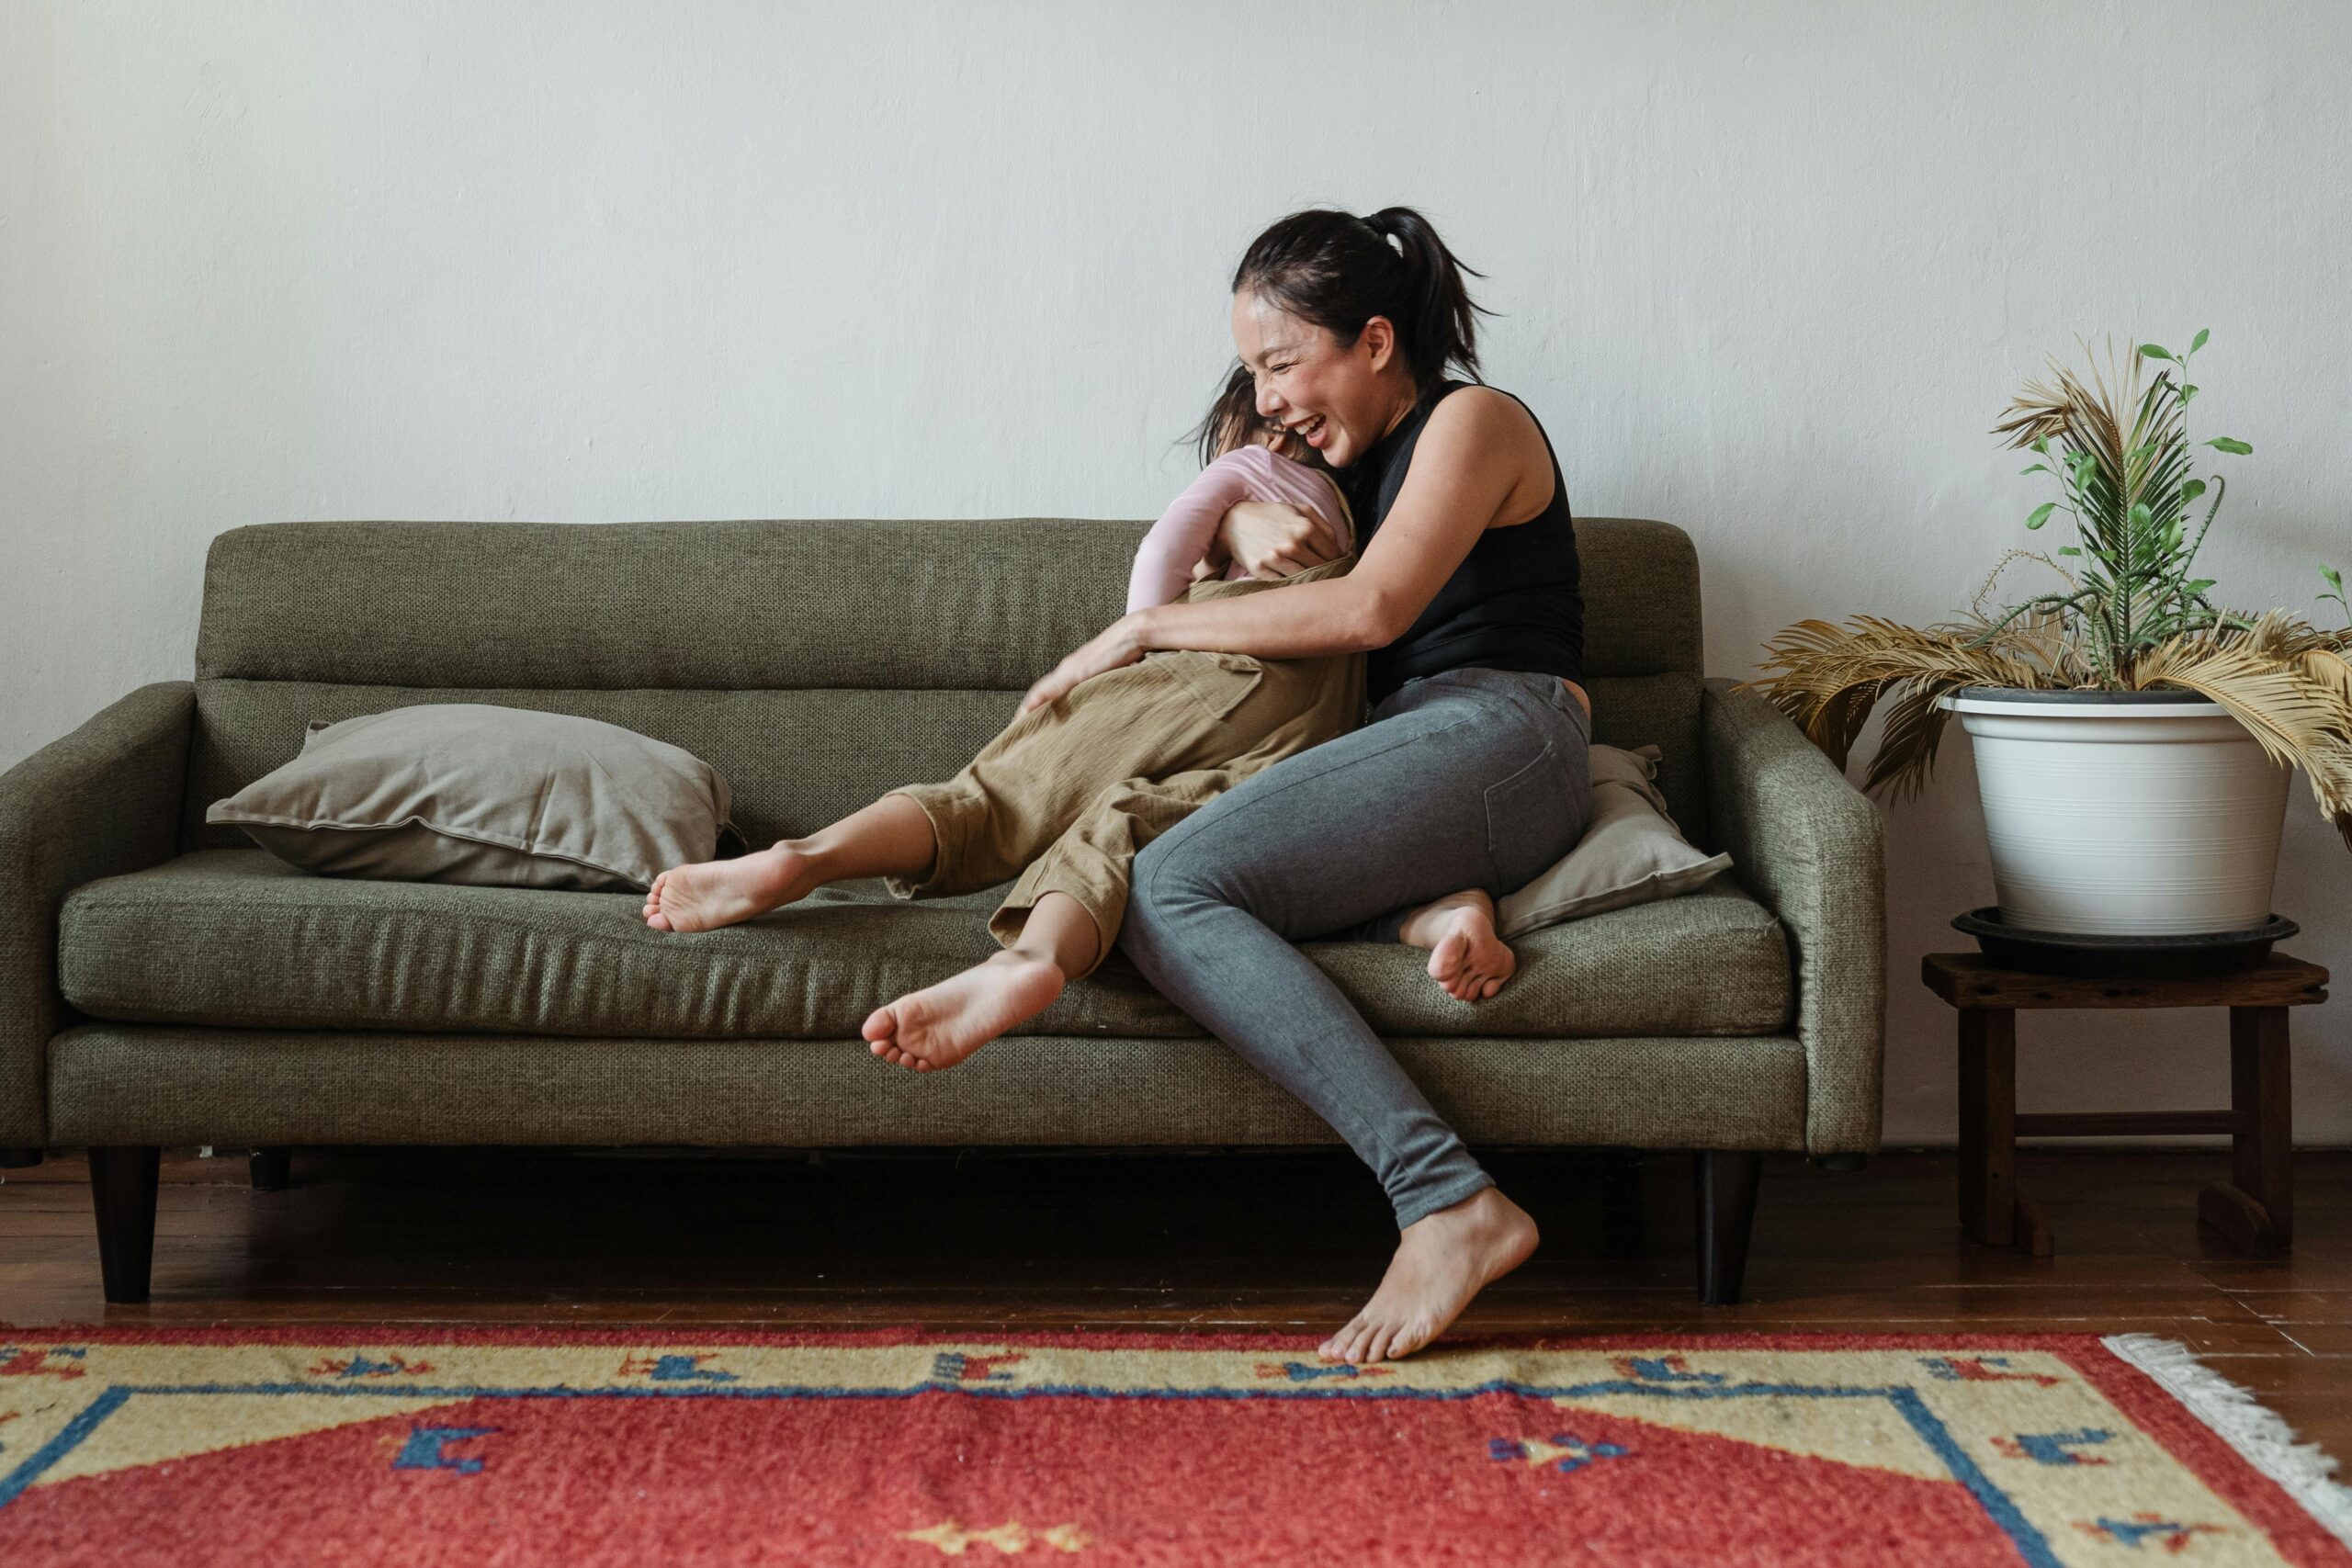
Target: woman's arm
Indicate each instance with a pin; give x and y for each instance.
(1471, 457)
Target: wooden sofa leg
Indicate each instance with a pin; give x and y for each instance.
(122, 1186)
(11, 1158)
(271, 1169)
(1725, 1183)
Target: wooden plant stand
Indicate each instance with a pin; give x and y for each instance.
(2255, 1208)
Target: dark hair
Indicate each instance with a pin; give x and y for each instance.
(1339, 272)
(1233, 418)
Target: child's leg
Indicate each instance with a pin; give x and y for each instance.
(940, 1025)
(977, 828)
(1465, 956)
(1091, 864)
(891, 837)
(1057, 925)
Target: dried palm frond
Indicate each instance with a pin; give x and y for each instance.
(2328, 666)
(1831, 677)
(2070, 411)
(2297, 720)
(2291, 687)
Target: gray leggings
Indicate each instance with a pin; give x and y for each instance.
(1468, 778)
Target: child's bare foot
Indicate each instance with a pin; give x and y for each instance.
(1465, 956)
(940, 1025)
(1442, 1261)
(721, 892)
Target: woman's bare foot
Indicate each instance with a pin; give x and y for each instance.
(721, 892)
(1465, 956)
(1443, 1260)
(940, 1025)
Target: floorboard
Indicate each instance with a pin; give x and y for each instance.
(982, 1242)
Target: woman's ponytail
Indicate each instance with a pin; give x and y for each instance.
(1443, 325)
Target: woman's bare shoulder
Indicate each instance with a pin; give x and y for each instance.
(1485, 427)
(1482, 416)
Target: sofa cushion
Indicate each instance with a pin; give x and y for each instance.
(236, 937)
(486, 795)
(1630, 853)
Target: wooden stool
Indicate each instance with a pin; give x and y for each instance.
(2255, 1208)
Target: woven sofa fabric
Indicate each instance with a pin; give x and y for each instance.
(979, 604)
(234, 938)
(1812, 847)
(972, 604)
(100, 801)
(1640, 579)
(1661, 710)
(131, 1083)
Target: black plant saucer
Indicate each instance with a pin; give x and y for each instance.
(2121, 957)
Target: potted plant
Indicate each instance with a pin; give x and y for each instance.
(2132, 736)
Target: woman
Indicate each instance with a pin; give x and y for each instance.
(1471, 771)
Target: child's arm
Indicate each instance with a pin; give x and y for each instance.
(1165, 562)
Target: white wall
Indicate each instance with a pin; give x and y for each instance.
(1768, 271)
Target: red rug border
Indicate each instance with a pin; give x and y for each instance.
(2159, 1413)
(2205, 1453)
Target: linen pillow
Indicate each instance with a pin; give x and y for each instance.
(1631, 852)
(492, 797)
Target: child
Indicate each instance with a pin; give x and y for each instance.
(1070, 792)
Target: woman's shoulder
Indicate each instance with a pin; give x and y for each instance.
(1486, 419)
(1474, 406)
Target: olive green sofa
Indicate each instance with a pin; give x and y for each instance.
(164, 982)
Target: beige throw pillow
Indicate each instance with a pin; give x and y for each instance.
(1631, 852)
(496, 796)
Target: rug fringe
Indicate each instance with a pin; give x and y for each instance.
(2255, 1431)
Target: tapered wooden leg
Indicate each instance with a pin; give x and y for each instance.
(122, 1186)
(1725, 1181)
(1623, 1227)
(1988, 1133)
(2257, 1207)
(271, 1169)
(11, 1158)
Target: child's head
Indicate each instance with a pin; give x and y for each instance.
(1234, 421)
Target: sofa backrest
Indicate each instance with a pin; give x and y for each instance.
(814, 663)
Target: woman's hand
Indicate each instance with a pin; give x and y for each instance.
(1270, 539)
(1119, 643)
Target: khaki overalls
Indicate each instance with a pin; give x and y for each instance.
(1072, 791)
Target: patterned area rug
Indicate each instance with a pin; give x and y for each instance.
(416, 1447)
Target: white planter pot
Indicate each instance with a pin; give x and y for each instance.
(2123, 813)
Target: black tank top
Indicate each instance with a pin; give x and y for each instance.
(1515, 602)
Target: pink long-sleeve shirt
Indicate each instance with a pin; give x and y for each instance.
(1164, 563)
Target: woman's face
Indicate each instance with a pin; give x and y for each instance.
(1339, 400)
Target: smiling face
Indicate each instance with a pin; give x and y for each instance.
(1339, 400)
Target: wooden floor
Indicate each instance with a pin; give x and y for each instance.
(1284, 1242)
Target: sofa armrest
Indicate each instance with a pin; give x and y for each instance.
(1810, 845)
(102, 801)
